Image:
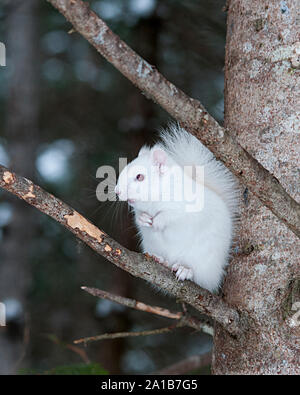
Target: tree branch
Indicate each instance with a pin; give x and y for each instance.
(189, 112)
(189, 364)
(139, 265)
(134, 304)
(185, 318)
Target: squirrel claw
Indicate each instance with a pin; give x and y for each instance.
(145, 219)
(182, 272)
(160, 260)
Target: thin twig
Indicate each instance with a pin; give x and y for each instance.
(78, 350)
(134, 304)
(118, 335)
(195, 362)
(184, 317)
(189, 112)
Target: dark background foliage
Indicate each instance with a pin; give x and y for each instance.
(84, 114)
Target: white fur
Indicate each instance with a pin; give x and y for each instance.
(194, 244)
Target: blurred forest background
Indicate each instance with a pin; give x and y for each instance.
(65, 111)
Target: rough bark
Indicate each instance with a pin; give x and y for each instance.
(261, 107)
(184, 109)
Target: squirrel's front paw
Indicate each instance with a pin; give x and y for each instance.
(182, 272)
(145, 219)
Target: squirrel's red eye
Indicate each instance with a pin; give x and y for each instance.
(140, 177)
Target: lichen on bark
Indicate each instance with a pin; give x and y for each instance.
(261, 107)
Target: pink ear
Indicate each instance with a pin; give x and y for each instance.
(159, 158)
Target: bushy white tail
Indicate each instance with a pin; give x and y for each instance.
(186, 150)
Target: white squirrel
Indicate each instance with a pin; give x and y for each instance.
(185, 220)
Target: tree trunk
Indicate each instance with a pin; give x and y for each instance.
(260, 106)
(22, 111)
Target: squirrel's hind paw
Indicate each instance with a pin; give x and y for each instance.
(182, 272)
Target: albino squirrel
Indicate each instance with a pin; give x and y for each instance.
(184, 220)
